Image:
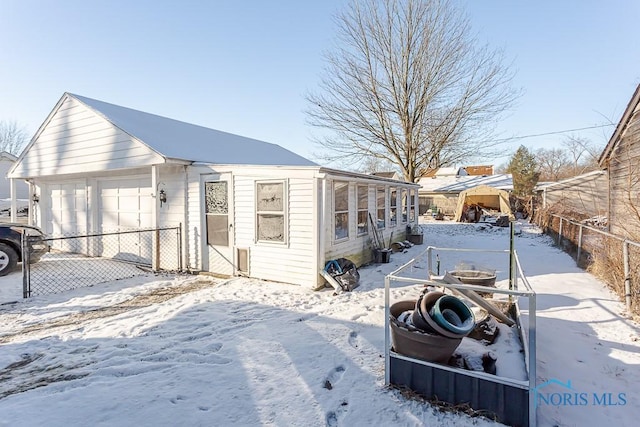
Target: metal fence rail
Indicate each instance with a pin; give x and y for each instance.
(613, 258)
(86, 260)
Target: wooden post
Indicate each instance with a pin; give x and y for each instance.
(560, 232)
(579, 246)
(156, 245)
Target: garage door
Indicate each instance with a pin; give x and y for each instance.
(68, 213)
(126, 204)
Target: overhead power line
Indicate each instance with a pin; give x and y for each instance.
(552, 133)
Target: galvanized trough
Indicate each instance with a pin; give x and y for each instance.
(507, 400)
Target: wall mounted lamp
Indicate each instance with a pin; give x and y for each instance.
(35, 198)
(163, 197)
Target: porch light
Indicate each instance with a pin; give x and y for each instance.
(163, 197)
(35, 198)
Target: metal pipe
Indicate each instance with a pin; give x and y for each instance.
(627, 275)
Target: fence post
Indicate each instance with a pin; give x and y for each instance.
(560, 232)
(26, 265)
(156, 258)
(180, 247)
(627, 275)
(579, 245)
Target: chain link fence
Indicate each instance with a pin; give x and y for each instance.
(611, 258)
(87, 260)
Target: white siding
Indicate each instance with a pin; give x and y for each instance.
(77, 140)
(294, 262)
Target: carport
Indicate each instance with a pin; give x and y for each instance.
(486, 197)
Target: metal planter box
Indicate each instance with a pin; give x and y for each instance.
(509, 401)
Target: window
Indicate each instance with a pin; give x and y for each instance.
(380, 206)
(216, 213)
(403, 197)
(271, 211)
(412, 205)
(341, 209)
(363, 209)
(393, 209)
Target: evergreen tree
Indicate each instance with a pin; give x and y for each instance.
(523, 168)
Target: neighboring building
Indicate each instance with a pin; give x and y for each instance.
(6, 163)
(479, 170)
(247, 207)
(621, 159)
(388, 175)
(440, 191)
(582, 196)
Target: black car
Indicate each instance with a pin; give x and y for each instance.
(11, 245)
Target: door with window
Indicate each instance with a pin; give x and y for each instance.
(218, 236)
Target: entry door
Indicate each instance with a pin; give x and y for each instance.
(218, 224)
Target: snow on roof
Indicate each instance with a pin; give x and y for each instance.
(569, 182)
(456, 184)
(179, 140)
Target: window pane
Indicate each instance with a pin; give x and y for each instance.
(342, 225)
(363, 222)
(363, 197)
(270, 196)
(341, 196)
(403, 198)
(216, 197)
(394, 197)
(218, 230)
(271, 227)
(412, 210)
(380, 206)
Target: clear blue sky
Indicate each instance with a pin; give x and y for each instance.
(244, 66)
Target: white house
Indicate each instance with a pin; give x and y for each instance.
(247, 207)
(6, 163)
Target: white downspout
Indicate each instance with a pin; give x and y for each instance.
(322, 220)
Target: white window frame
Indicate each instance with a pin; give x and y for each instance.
(360, 210)
(403, 202)
(381, 189)
(393, 207)
(284, 212)
(341, 212)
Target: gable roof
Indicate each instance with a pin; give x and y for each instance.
(180, 140)
(620, 129)
(8, 156)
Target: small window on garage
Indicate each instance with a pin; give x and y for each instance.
(380, 206)
(271, 211)
(363, 209)
(341, 210)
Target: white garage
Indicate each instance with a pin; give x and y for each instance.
(214, 201)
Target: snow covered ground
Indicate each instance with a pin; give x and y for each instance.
(200, 351)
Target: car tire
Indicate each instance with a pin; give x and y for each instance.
(8, 259)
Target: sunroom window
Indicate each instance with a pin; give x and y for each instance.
(363, 209)
(341, 209)
(380, 206)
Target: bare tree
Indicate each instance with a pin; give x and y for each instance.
(583, 154)
(553, 164)
(12, 137)
(408, 84)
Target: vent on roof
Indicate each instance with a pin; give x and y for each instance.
(242, 257)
